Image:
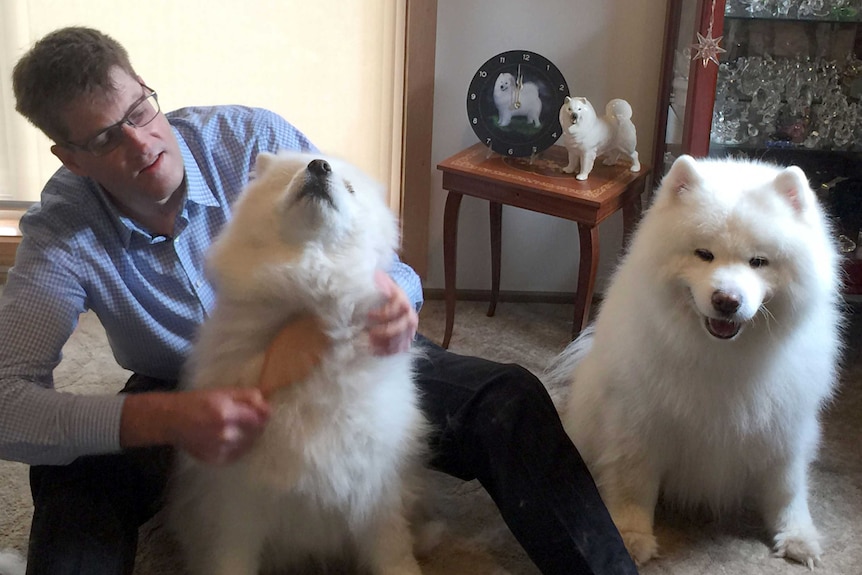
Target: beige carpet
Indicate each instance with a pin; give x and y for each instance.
(477, 542)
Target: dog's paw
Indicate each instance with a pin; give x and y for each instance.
(799, 546)
(641, 546)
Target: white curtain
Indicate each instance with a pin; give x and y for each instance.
(21, 166)
(332, 67)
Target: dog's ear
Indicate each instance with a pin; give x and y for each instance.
(792, 184)
(262, 163)
(682, 176)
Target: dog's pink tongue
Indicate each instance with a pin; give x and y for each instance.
(722, 329)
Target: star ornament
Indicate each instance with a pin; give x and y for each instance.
(707, 48)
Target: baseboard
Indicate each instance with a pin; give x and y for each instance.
(509, 296)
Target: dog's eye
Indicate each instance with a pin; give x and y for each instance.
(348, 186)
(703, 254)
(758, 262)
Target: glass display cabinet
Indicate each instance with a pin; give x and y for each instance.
(785, 85)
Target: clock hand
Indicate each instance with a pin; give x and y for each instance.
(519, 83)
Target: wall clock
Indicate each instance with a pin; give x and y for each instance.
(514, 101)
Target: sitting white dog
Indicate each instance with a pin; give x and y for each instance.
(514, 100)
(716, 346)
(330, 478)
(587, 136)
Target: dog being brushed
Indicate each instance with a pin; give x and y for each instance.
(714, 351)
(329, 481)
(587, 136)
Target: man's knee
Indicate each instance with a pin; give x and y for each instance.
(515, 394)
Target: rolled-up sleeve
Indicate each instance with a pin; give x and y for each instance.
(409, 281)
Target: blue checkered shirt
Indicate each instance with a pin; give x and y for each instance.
(79, 253)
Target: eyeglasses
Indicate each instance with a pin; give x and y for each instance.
(142, 112)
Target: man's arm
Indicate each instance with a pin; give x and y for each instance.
(213, 425)
(39, 309)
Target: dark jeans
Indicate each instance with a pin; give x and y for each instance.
(86, 514)
(496, 423)
(492, 422)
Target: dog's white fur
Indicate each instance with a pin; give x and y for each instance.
(587, 136)
(529, 102)
(332, 469)
(12, 563)
(714, 350)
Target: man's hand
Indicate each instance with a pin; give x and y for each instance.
(219, 425)
(293, 354)
(213, 425)
(392, 326)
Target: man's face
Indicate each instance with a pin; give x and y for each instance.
(140, 174)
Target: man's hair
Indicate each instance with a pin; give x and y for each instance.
(61, 67)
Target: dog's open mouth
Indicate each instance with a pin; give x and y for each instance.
(722, 328)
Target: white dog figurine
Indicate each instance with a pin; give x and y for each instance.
(514, 100)
(329, 479)
(587, 136)
(716, 346)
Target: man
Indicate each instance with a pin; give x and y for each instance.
(122, 230)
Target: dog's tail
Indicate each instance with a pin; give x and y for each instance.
(12, 563)
(559, 372)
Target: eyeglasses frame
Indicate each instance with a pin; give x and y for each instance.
(125, 120)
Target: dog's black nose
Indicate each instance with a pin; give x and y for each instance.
(319, 167)
(724, 302)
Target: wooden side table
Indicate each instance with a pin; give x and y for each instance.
(10, 237)
(540, 186)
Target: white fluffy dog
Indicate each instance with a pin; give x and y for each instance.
(512, 100)
(329, 478)
(587, 136)
(714, 350)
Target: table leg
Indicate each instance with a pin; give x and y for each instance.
(496, 212)
(587, 268)
(450, 252)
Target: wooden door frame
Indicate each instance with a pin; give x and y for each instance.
(416, 133)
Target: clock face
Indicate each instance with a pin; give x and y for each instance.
(514, 101)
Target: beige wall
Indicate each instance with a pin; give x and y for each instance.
(332, 67)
